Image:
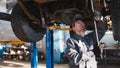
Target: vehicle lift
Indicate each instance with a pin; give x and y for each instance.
(49, 51)
(49, 48)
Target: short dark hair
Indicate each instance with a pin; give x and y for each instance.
(77, 17)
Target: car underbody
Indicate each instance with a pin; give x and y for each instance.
(29, 18)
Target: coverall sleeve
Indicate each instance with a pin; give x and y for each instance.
(101, 29)
(74, 55)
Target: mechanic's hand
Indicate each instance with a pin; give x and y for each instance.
(90, 53)
(98, 16)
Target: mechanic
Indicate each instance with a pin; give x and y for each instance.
(80, 46)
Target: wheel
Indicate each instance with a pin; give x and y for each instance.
(23, 27)
(115, 12)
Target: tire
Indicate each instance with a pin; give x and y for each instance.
(115, 12)
(23, 28)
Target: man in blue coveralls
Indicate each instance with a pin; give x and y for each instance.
(80, 46)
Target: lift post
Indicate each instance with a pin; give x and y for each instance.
(49, 49)
(34, 55)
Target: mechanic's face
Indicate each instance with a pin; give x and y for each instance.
(79, 26)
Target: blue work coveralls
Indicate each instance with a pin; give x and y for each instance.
(80, 50)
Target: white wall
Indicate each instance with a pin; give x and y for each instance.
(3, 6)
(6, 33)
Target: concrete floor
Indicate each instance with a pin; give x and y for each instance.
(22, 64)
